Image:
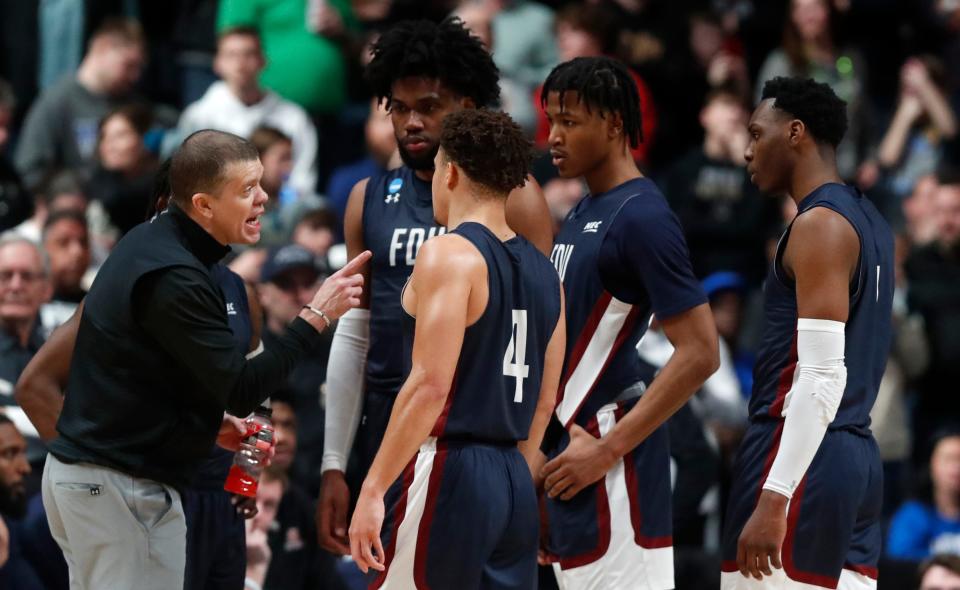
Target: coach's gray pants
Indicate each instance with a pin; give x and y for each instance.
(117, 532)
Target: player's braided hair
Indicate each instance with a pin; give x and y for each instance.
(489, 146)
(445, 51)
(601, 83)
(814, 103)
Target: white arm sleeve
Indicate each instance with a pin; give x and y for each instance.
(812, 403)
(345, 372)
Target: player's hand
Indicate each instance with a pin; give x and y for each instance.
(341, 291)
(332, 512)
(245, 506)
(584, 461)
(365, 546)
(762, 537)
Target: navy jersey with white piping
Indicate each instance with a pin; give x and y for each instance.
(497, 381)
(868, 327)
(621, 256)
(397, 220)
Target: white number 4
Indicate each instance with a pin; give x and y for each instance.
(513, 360)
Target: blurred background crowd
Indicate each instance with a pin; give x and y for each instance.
(94, 94)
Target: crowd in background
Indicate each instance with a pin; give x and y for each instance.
(95, 94)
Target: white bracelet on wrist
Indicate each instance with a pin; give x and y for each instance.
(320, 313)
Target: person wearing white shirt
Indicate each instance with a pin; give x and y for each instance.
(238, 104)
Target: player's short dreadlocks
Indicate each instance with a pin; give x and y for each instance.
(601, 83)
(445, 51)
(814, 103)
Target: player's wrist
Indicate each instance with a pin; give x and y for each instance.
(773, 500)
(373, 488)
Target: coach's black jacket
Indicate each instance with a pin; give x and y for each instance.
(155, 364)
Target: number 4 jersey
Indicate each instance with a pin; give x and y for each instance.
(497, 381)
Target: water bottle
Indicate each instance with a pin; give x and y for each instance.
(249, 460)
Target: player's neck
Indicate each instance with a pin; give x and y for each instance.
(424, 175)
(810, 174)
(612, 172)
(486, 211)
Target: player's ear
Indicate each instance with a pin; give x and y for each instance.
(467, 102)
(614, 125)
(796, 132)
(451, 175)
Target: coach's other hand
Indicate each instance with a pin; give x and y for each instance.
(762, 537)
(584, 461)
(332, 512)
(341, 291)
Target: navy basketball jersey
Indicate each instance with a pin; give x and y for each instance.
(497, 381)
(621, 256)
(397, 219)
(868, 330)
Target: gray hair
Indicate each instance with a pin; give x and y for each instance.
(10, 238)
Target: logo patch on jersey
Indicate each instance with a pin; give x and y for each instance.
(230, 309)
(393, 191)
(592, 227)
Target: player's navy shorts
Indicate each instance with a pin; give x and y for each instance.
(373, 425)
(462, 515)
(216, 543)
(618, 530)
(833, 520)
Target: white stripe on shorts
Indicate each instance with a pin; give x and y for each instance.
(625, 565)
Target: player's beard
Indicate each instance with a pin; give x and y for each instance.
(13, 502)
(424, 162)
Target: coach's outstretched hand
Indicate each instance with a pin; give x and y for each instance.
(341, 291)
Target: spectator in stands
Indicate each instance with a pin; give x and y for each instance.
(587, 30)
(62, 191)
(913, 144)
(269, 492)
(61, 128)
(24, 287)
(524, 47)
(16, 571)
(123, 179)
(810, 48)
(316, 230)
(297, 563)
(285, 202)
(940, 572)
(14, 200)
(304, 61)
(239, 104)
(933, 279)
(723, 215)
(381, 147)
(930, 524)
(286, 277)
(66, 241)
(919, 211)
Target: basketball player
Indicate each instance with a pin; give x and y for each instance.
(805, 504)
(423, 71)
(622, 257)
(484, 309)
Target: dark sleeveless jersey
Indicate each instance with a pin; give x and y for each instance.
(622, 257)
(397, 219)
(213, 471)
(497, 381)
(868, 331)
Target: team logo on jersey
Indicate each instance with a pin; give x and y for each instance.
(230, 309)
(592, 227)
(393, 191)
